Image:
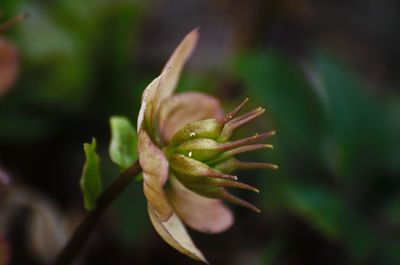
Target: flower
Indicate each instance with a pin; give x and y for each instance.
(186, 157)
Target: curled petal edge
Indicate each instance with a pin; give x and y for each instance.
(210, 215)
(176, 62)
(174, 233)
(147, 107)
(164, 85)
(185, 108)
(155, 174)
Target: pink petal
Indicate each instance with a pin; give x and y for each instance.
(164, 85)
(174, 66)
(198, 212)
(8, 65)
(4, 179)
(155, 173)
(148, 107)
(182, 109)
(175, 234)
(47, 232)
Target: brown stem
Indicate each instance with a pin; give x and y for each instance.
(9, 23)
(81, 235)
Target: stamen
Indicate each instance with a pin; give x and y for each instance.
(248, 140)
(246, 118)
(219, 175)
(233, 199)
(234, 112)
(236, 184)
(241, 150)
(188, 166)
(232, 125)
(11, 22)
(247, 148)
(255, 165)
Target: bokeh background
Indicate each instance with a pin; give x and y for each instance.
(327, 72)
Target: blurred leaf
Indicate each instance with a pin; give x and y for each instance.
(86, 48)
(390, 252)
(271, 253)
(280, 84)
(392, 130)
(297, 113)
(326, 211)
(24, 124)
(321, 207)
(123, 142)
(62, 56)
(358, 237)
(391, 211)
(358, 132)
(91, 184)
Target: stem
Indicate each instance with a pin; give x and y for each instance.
(81, 235)
(9, 23)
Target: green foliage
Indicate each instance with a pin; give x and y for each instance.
(391, 211)
(123, 144)
(319, 206)
(76, 59)
(271, 252)
(357, 125)
(279, 84)
(71, 47)
(91, 183)
(326, 123)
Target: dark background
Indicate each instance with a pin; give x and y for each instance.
(327, 72)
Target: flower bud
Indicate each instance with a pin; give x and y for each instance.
(206, 181)
(210, 128)
(188, 168)
(201, 157)
(201, 149)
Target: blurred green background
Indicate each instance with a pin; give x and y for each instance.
(328, 73)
